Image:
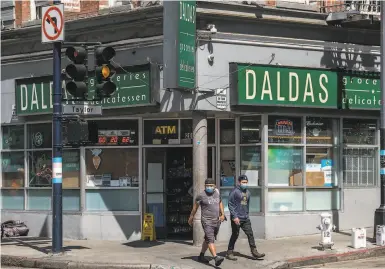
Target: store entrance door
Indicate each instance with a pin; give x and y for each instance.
(169, 189)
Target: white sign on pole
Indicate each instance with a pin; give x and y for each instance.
(52, 24)
(82, 109)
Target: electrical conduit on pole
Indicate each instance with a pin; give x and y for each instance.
(57, 200)
(379, 217)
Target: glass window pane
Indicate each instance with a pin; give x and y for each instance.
(322, 199)
(12, 199)
(357, 131)
(41, 199)
(13, 137)
(255, 200)
(227, 130)
(39, 136)
(186, 131)
(161, 132)
(251, 164)
(117, 132)
(112, 167)
(211, 131)
(360, 167)
(285, 130)
(71, 168)
(251, 130)
(40, 168)
(285, 200)
(320, 167)
(320, 130)
(285, 166)
(227, 166)
(112, 200)
(225, 198)
(12, 164)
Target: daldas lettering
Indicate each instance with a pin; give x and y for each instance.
(295, 93)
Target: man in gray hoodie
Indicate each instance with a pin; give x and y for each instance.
(239, 200)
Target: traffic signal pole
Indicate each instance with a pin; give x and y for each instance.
(57, 188)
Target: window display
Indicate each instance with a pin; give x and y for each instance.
(320, 167)
(39, 136)
(319, 130)
(112, 167)
(251, 130)
(359, 131)
(285, 166)
(117, 132)
(13, 137)
(227, 166)
(12, 164)
(285, 130)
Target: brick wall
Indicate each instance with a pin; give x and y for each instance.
(87, 9)
(22, 12)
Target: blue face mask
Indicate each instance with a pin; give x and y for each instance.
(209, 189)
(243, 186)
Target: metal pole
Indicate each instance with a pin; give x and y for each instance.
(57, 200)
(379, 218)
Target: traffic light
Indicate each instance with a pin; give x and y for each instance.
(104, 71)
(77, 72)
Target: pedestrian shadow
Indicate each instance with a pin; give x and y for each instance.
(237, 254)
(195, 259)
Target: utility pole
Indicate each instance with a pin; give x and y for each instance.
(199, 167)
(57, 178)
(379, 217)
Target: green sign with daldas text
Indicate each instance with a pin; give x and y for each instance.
(34, 95)
(304, 87)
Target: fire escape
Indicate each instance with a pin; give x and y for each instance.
(354, 13)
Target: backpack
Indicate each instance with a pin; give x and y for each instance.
(13, 228)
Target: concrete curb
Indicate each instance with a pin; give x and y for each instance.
(330, 258)
(51, 263)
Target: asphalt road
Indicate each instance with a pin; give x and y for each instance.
(378, 262)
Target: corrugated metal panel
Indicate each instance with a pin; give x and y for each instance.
(7, 14)
(5, 4)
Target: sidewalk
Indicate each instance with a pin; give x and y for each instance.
(280, 253)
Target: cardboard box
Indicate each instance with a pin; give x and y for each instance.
(315, 179)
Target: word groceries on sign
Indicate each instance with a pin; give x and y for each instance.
(34, 95)
(298, 87)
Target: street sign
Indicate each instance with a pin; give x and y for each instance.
(52, 24)
(82, 109)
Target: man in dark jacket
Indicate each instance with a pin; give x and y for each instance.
(239, 199)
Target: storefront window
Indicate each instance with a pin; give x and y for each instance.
(251, 130)
(320, 167)
(12, 164)
(41, 199)
(319, 130)
(161, 132)
(360, 167)
(285, 166)
(112, 167)
(227, 131)
(39, 136)
(285, 130)
(322, 199)
(227, 166)
(112, 200)
(117, 132)
(251, 164)
(12, 199)
(285, 200)
(255, 199)
(13, 137)
(359, 131)
(40, 168)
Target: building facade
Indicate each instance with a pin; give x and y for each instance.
(284, 99)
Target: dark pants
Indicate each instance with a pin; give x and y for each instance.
(245, 225)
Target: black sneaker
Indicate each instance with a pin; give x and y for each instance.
(218, 260)
(202, 259)
(230, 256)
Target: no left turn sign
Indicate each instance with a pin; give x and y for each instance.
(52, 24)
